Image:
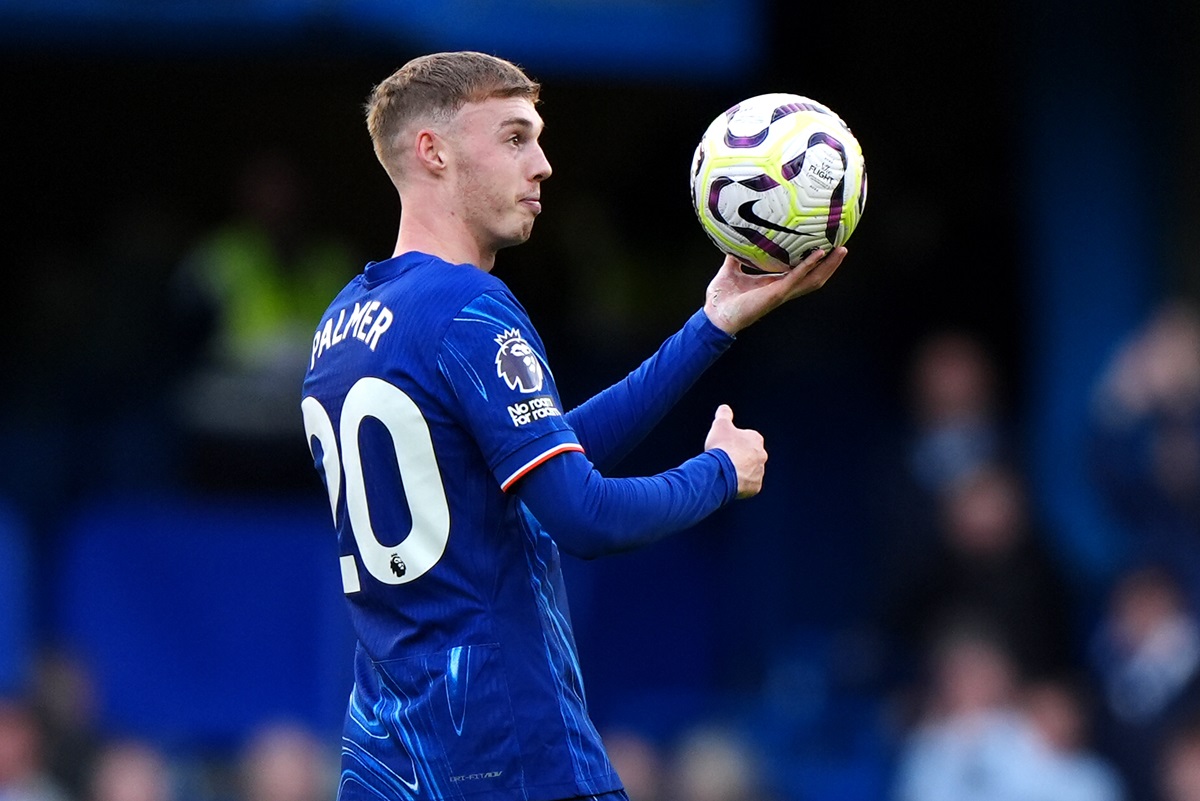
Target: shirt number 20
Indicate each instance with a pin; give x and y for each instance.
(426, 496)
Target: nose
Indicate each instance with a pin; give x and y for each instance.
(541, 165)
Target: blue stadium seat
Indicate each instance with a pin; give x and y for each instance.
(201, 619)
(16, 587)
(846, 779)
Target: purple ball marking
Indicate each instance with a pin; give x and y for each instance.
(754, 140)
(837, 199)
(792, 168)
(760, 183)
(777, 114)
(782, 111)
(791, 108)
(714, 197)
(820, 137)
(835, 211)
(760, 240)
(754, 237)
(747, 141)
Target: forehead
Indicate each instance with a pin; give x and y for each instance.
(496, 113)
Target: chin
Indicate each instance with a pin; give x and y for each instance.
(517, 238)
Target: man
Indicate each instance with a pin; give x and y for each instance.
(453, 475)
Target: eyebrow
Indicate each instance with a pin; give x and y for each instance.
(520, 122)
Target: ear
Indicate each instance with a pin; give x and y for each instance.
(431, 151)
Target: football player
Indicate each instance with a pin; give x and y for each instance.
(454, 475)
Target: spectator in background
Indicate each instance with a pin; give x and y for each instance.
(714, 764)
(955, 428)
(639, 763)
(990, 568)
(1146, 440)
(956, 410)
(1179, 767)
(265, 275)
(977, 742)
(286, 762)
(1146, 657)
(130, 771)
(65, 701)
(23, 775)
(969, 737)
(1070, 771)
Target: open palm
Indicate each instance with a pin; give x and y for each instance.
(735, 299)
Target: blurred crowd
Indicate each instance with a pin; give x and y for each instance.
(988, 668)
(277, 762)
(1014, 677)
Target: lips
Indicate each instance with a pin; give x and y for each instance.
(533, 203)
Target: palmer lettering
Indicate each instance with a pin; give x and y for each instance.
(367, 322)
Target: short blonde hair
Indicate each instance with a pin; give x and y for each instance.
(434, 87)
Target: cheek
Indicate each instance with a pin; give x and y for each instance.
(489, 188)
(475, 176)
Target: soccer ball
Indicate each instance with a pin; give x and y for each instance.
(776, 177)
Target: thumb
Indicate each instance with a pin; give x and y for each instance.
(724, 413)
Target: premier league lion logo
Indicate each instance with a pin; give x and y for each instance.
(516, 362)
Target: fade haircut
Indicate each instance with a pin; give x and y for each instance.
(433, 88)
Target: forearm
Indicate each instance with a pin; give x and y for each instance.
(590, 515)
(611, 423)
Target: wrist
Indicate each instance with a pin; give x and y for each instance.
(701, 325)
(721, 319)
(728, 473)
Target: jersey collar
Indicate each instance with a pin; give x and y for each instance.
(377, 272)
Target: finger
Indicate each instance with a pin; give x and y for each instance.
(731, 269)
(836, 255)
(828, 265)
(724, 412)
(797, 274)
(819, 274)
(810, 261)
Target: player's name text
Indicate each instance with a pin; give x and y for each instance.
(366, 323)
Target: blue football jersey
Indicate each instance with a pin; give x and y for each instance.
(427, 396)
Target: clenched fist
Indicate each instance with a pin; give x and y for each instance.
(744, 447)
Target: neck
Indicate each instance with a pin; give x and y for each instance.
(443, 236)
(445, 250)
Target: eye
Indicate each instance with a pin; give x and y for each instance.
(516, 139)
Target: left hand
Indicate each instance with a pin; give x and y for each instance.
(734, 299)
